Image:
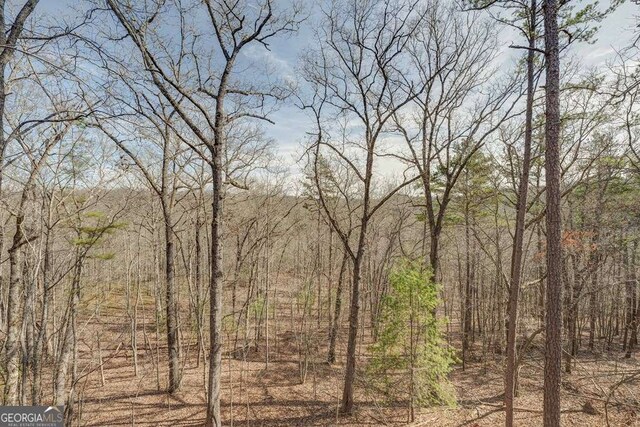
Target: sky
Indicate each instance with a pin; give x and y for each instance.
(291, 124)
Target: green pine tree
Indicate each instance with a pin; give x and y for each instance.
(411, 359)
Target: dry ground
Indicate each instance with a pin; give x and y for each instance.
(259, 395)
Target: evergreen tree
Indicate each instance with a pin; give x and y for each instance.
(411, 357)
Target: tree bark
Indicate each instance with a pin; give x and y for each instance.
(354, 310)
(518, 238)
(635, 302)
(553, 343)
(335, 324)
(8, 40)
(14, 318)
(172, 304)
(216, 279)
(36, 367)
(347, 392)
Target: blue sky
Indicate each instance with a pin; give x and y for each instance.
(291, 124)
(615, 33)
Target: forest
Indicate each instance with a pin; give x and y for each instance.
(343, 212)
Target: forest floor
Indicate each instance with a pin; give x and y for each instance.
(259, 394)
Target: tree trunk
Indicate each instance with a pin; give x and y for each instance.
(467, 314)
(347, 392)
(36, 388)
(67, 345)
(635, 303)
(553, 343)
(335, 324)
(518, 238)
(14, 319)
(172, 304)
(354, 310)
(216, 279)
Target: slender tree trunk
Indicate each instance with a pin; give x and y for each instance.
(433, 251)
(216, 279)
(15, 313)
(36, 389)
(518, 238)
(3, 146)
(9, 34)
(198, 286)
(350, 374)
(592, 305)
(635, 303)
(171, 304)
(467, 314)
(553, 343)
(335, 324)
(215, 294)
(29, 324)
(14, 317)
(61, 395)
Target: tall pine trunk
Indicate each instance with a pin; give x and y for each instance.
(553, 343)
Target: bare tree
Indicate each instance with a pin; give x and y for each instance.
(454, 117)
(359, 79)
(21, 238)
(207, 99)
(152, 120)
(9, 37)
